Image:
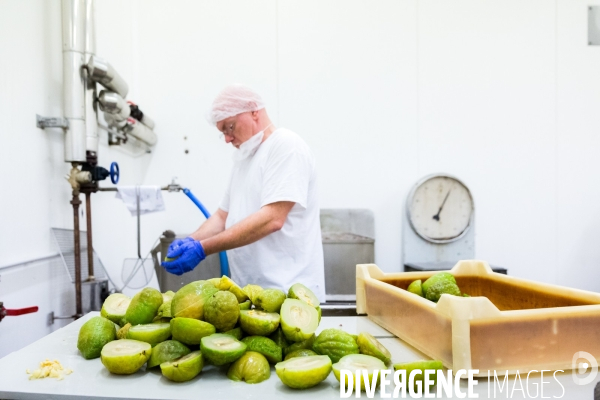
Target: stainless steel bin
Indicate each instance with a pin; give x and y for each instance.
(347, 236)
(341, 252)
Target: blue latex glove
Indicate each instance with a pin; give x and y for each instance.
(189, 254)
(176, 243)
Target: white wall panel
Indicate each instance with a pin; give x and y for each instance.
(486, 115)
(347, 86)
(44, 284)
(578, 126)
(30, 83)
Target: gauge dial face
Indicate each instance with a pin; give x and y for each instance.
(440, 209)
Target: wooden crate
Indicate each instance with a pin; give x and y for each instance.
(509, 324)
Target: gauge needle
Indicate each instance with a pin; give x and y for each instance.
(437, 216)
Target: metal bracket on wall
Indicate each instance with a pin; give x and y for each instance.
(50, 318)
(51, 122)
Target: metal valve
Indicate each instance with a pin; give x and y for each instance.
(17, 311)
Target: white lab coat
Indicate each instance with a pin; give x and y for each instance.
(282, 169)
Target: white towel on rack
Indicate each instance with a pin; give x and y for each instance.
(150, 199)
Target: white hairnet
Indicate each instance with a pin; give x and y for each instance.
(233, 100)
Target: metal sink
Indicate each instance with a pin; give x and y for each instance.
(338, 309)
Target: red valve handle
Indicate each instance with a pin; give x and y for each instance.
(21, 311)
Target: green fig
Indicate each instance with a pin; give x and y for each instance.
(93, 335)
(252, 367)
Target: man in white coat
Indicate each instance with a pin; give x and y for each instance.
(268, 219)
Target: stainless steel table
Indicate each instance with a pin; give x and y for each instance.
(90, 380)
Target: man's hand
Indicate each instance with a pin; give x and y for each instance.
(187, 255)
(176, 243)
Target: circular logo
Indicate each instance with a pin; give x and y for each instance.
(583, 367)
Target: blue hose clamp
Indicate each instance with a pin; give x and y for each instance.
(114, 172)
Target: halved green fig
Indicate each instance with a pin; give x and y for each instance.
(221, 349)
(143, 306)
(264, 346)
(122, 333)
(252, 367)
(299, 320)
(237, 333)
(93, 335)
(279, 338)
(222, 310)
(184, 368)
(252, 291)
(190, 330)
(255, 322)
(301, 292)
(150, 333)
(305, 344)
(189, 301)
(440, 276)
(360, 362)
(303, 372)
(168, 350)
(367, 344)
(300, 353)
(115, 307)
(416, 288)
(422, 365)
(125, 356)
(245, 305)
(270, 300)
(335, 343)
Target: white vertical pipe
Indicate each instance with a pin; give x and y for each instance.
(73, 30)
(91, 114)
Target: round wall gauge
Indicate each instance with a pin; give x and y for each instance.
(440, 208)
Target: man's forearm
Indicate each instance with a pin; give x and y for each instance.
(267, 220)
(212, 226)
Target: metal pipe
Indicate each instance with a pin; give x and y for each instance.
(140, 131)
(112, 103)
(91, 112)
(140, 116)
(137, 196)
(112, 132)
(73, 40)
(113, 189)
(77, 253)
(103, 73)
(90, 249)
(30, 261)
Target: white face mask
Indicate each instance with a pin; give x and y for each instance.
(250, 146)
